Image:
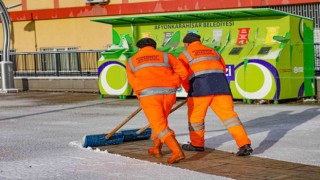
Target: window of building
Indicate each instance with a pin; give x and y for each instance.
(63, 62)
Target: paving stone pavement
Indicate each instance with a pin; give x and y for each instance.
(220, 163)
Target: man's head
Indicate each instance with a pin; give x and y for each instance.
(144, 42)
(191, 37)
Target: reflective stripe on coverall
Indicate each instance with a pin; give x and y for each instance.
(150, 73)
(201, 71)
(204, 60)
(223, 107)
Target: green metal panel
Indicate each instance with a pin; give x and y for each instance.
(186, 16)
(273, 62)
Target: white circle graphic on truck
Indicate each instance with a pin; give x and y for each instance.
(105, 84)
(266, 85)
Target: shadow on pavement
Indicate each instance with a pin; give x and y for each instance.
(277, 126)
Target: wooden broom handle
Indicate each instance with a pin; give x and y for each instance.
(142, 129)
(123, 123)
(172, 110)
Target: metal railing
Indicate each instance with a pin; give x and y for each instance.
(74, 63)
(310, 10)
(317, 58)
(55, 63)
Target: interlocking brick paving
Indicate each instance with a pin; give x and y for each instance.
(220, 163)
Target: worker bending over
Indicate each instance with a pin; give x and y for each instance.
(155, 76)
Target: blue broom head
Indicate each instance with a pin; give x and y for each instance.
(131, 135)
(100, 140)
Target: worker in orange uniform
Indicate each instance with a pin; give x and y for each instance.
(209, 88)
(155, 76)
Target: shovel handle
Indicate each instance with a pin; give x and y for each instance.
(172, 110)
(123, 123)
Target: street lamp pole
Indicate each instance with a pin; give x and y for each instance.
(6, 65)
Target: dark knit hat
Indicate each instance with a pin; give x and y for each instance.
(146, 42)
(191, 37)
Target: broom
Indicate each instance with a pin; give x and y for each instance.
(115, 137)
(110, 138)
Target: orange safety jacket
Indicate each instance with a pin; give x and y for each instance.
(153, 72)
(206, 70)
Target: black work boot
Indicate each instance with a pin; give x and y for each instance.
(190, 147)
(245, 150)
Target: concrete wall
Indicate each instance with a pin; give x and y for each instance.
(73, 84)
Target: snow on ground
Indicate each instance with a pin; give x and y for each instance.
(85, 163)
(44, 141)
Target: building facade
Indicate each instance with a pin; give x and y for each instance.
(39, 25)
(65, 25)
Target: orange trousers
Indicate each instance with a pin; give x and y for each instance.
(222, 105)
(157, 109)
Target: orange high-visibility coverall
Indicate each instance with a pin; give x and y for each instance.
(209, 87)
(155, 76)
